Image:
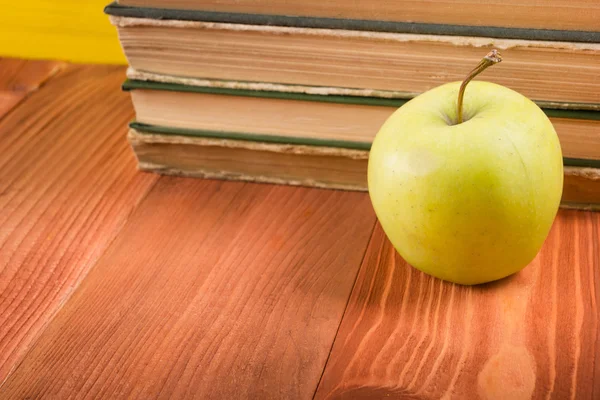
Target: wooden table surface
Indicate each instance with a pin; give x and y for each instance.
(120, 284)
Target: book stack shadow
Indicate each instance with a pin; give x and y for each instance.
(294, 92)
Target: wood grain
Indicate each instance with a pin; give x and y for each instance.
(68, 182)
(222, 290)
(536, 334)
(19, 77)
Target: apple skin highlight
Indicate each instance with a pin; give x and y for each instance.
(471, 202)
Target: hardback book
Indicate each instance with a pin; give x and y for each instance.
(182, 153)
(396, 65)
(283, 135)
(282, 114)
(460, 15)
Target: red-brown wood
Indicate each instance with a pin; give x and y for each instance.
(406, 335)
(213, 289)
(68, 182)
(19, 77)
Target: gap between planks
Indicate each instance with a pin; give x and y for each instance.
(168, 320)
(337, 331)
(536, 333)
(68, 183)
(20, 78)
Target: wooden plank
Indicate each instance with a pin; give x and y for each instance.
(68, 182)
(19, 77)
(406, 335)
(212, 290)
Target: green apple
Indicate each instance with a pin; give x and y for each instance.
(467, 202)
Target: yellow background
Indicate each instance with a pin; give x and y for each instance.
(71, 30)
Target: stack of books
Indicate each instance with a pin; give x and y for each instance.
(294, 92)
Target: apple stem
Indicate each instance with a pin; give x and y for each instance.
(493, 57)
